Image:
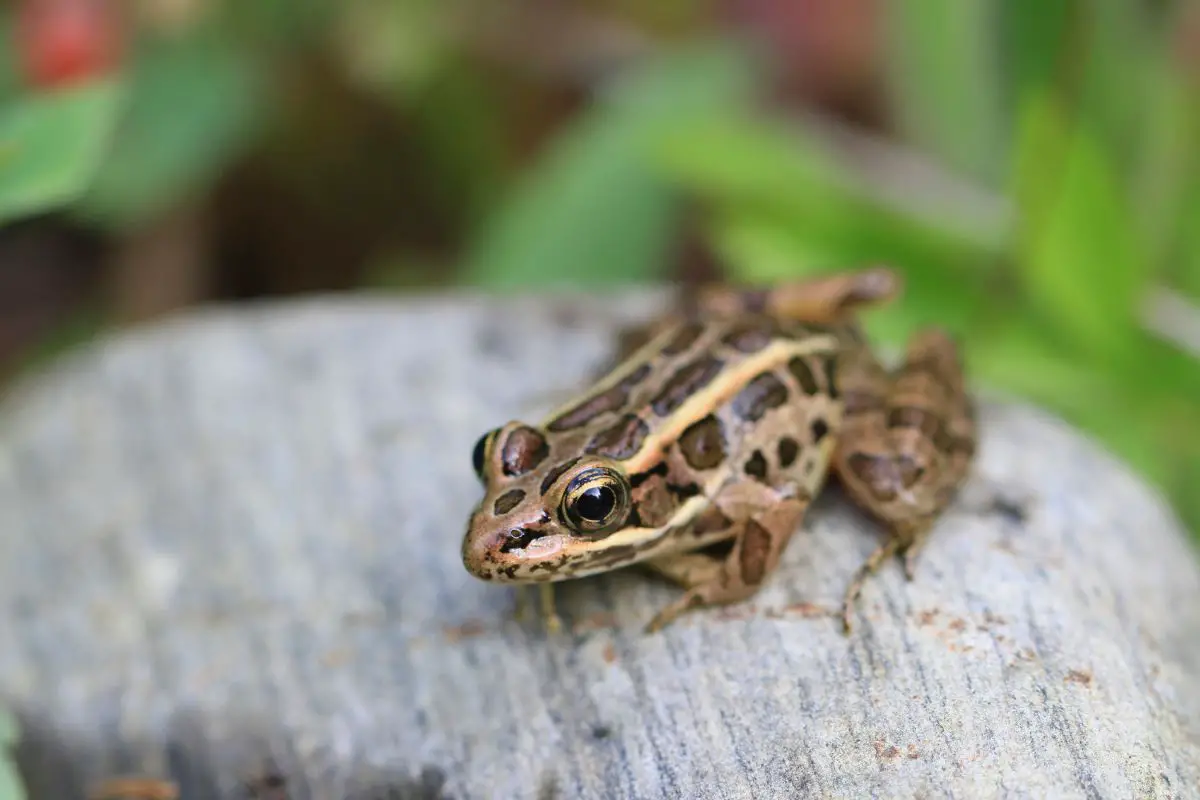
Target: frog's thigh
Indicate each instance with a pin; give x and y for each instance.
(907, 439)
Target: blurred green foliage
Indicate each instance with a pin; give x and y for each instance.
(1040, 186)
(596, 202)
(1073, 120)
(52, 145)
(10, 783)
(168, 148)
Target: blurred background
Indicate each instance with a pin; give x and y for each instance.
(1032, 166)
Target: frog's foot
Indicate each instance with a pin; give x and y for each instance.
(915, 543)
(693, 571)
(691, 599)
(715, 593)
(882, 553)
(903, 541)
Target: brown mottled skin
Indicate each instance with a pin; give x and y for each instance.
(721, 427)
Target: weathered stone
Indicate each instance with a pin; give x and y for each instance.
(229, 550)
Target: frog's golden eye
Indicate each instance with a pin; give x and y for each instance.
(479, 456)
(596, 501)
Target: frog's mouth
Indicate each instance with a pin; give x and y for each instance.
(532, 545)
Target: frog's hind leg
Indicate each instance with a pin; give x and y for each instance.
(823, 299)
(758, 543)
(906, 443)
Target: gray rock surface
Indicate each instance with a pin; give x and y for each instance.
(229, 554)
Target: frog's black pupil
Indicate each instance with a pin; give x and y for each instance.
(596, 503)
(477, 456)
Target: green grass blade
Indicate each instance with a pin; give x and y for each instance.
(945, 83)
(593, 211)
(1078, 258)
(767, 174)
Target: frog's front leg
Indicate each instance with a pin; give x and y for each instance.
(758, 542)
(906, 443)
(545, 594)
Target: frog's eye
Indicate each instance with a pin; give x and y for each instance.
(479, 456)
(596, 501)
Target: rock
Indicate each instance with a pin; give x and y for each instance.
(229, 556)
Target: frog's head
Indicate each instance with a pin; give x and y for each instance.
(543, 514)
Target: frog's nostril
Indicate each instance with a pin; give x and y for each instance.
(518, 538)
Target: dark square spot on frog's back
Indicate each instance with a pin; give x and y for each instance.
(703, 443)
(759, 396)
(756, 466)
(685, 382)
(789, 449)
(621, 440)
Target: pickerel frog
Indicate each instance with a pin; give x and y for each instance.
(699, 453)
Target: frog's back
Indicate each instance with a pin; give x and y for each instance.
(697, 390)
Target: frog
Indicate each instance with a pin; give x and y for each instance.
(698, 453)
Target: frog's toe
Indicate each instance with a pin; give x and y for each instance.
(690, 599)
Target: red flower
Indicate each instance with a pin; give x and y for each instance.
(63, 41)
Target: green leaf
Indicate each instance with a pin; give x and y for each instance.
(281, 26)
(589, 215)
(10, 76)
(944, 76)
(1077, 253)
(1020, 358)
(761, 251)
(753, 165)
(1121, 66)
(593, 211)
(1187, 477)
(194, 104)
(783, 206)
(1189, 271)
(8, 729)
(1168, 165)
(1036, 43)
(1183, 239)
(10, 783)
(1098, 60)
(52, 143)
